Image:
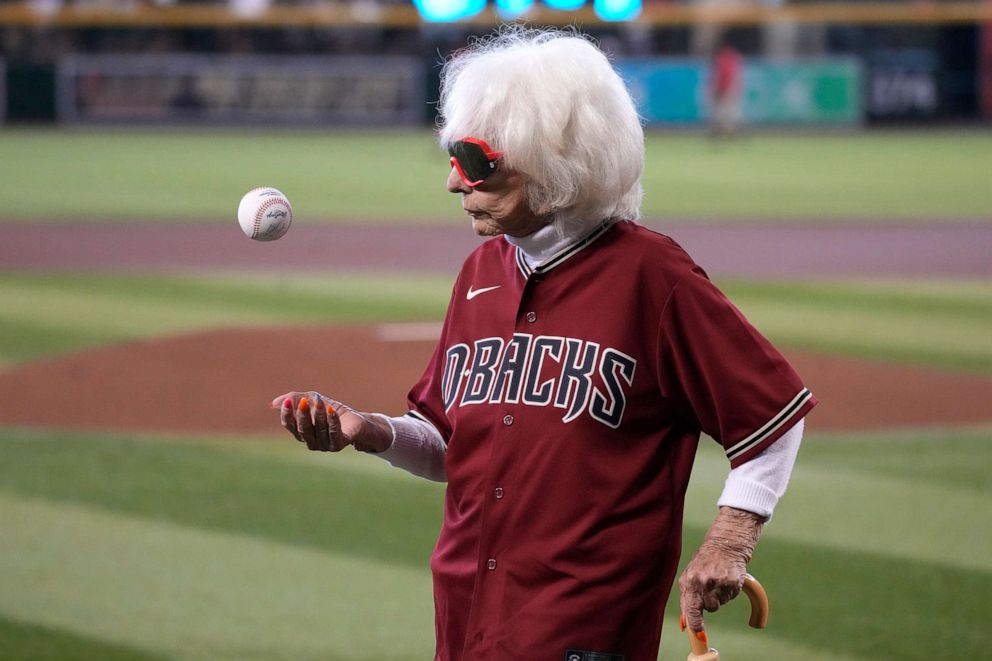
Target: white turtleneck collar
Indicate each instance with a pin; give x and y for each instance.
(546, 242)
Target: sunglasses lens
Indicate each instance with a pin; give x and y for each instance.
(473, 164)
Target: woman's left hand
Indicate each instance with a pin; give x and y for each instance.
(715, 575)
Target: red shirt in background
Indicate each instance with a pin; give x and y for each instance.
(728, 69)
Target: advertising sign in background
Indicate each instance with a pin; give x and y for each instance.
(392, 91)
(667, 91)
(822, 91)
(817, 92)
(174, 88)
(902, 85)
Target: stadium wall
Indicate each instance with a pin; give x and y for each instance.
(915, 65)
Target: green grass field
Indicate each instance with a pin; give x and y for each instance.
(240, 549)
(396, 175)
(124, 546)
(119, 546)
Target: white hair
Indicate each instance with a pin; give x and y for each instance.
(560, 113)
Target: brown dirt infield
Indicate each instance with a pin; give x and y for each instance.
(222, 382)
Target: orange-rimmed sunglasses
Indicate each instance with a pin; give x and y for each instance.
(473, 159)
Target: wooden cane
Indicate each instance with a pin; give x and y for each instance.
(698, 641)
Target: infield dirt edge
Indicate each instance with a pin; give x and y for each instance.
(221, 381)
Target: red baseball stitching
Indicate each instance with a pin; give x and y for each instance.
(265, 205)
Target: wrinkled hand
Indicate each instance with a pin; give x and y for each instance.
(715, 575)
(327, 425)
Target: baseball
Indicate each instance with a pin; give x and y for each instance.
(264, 214)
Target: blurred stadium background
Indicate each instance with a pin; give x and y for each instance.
(149, 506)
(374, 62)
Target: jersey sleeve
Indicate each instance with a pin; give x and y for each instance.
(732, 383)
(425, 400)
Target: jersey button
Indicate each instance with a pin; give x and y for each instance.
(531, 317)
(499, 493)
(491, 564)
(507, 420)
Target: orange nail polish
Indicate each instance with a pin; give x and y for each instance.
(701, 635)
(682, 621)
(304, 405)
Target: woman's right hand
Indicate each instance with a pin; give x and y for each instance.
(326, 425)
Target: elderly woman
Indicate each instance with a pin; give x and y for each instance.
(581, 357)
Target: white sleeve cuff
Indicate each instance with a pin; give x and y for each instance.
(417, 448)
(757, 485)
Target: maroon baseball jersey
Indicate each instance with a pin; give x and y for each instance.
(571, 397)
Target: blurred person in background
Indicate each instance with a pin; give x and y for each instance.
(726, 85)
(580, 359)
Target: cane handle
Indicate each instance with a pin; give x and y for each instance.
(698, 640)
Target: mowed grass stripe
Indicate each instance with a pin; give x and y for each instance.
(868, 563)
(952, 458)
(197, 594)
(199, 175)
(816, 176)
(24, 641)
(268, 491)
(193, 594)
(836, 590)
(46, 314)
(962, 299)
(943, 324)
(224, 298)
(868, 605)
(321, 506)
(868, 494)
(23, 339)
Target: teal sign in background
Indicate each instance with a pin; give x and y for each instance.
(666, 91)
(804, 92)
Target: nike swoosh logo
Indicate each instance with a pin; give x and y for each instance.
(473, 293)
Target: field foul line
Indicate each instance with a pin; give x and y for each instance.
(426, 331)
